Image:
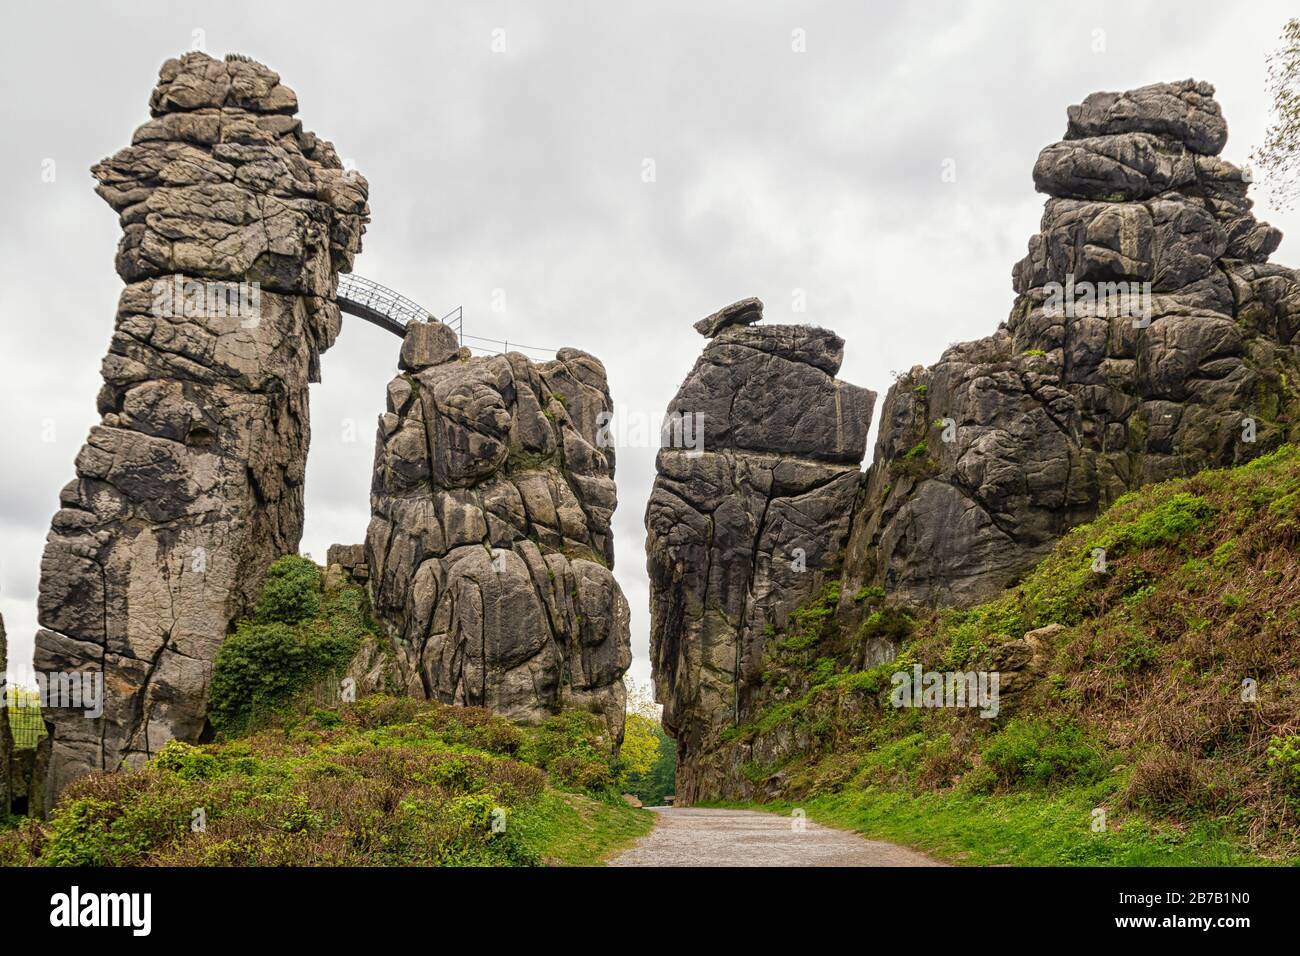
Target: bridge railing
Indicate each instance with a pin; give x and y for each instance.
(397, 310)
(372, 295)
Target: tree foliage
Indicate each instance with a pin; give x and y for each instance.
(648, 759)
(297, 636)
(1280, 154)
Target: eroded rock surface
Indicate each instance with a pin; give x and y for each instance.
(988, 456)
(743, 528)
(192, 483)
(489, 548)
(1150, 338)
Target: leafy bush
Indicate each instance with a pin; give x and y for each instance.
(291, 593)
(892, 623)
(268, 661)
(1284, 761)
(572, 748)
(364, 792)
(1178, 515)
(1040, 752)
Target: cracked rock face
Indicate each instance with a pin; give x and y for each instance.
(741, 530)
(192, 482)
(986, 457)
(489, 548)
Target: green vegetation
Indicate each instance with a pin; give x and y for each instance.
(382, 781)
(388, 781)
(1017, 829)
(519, 460)
(916, 463)
(25, 724)
(296, 637)
(291, 593)
(648, 758)
(1158, 689)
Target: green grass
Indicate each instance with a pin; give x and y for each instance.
(1016, 829)
(569, 829)
(1156, 613)
(382, 782)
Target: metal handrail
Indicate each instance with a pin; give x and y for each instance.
(391, 310)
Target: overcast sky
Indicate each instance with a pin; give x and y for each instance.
(523, 170)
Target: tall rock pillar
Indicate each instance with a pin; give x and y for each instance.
(489, 551)
(236, 223)
(749, 512)
(1150, 339)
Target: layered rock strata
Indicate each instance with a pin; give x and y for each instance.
(1150, 338)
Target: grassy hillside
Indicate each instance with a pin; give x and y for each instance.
(1149, 703)
(382, 781)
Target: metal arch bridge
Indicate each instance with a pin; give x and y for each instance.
(391, 311)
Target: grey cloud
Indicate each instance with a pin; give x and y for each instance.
(522, 171)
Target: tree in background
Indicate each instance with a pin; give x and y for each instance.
(648, 758)
(1280, 154)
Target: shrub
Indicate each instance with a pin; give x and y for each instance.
(1136, 652)
(1041, 752)
(261, 667)
(291, 593)
(1178, 515)
(571, 747)
(813, 624)
(187, 761)
(890, 623)
(475, 727)
(1284, 761)
(869, 594)
(1167, 782)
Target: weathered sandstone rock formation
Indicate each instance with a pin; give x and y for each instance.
(744, 528)
(489, 547)
(192, 483)
(1149, 339)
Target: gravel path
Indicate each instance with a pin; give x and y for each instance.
(687, 836)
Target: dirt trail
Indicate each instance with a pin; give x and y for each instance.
(687, 836)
